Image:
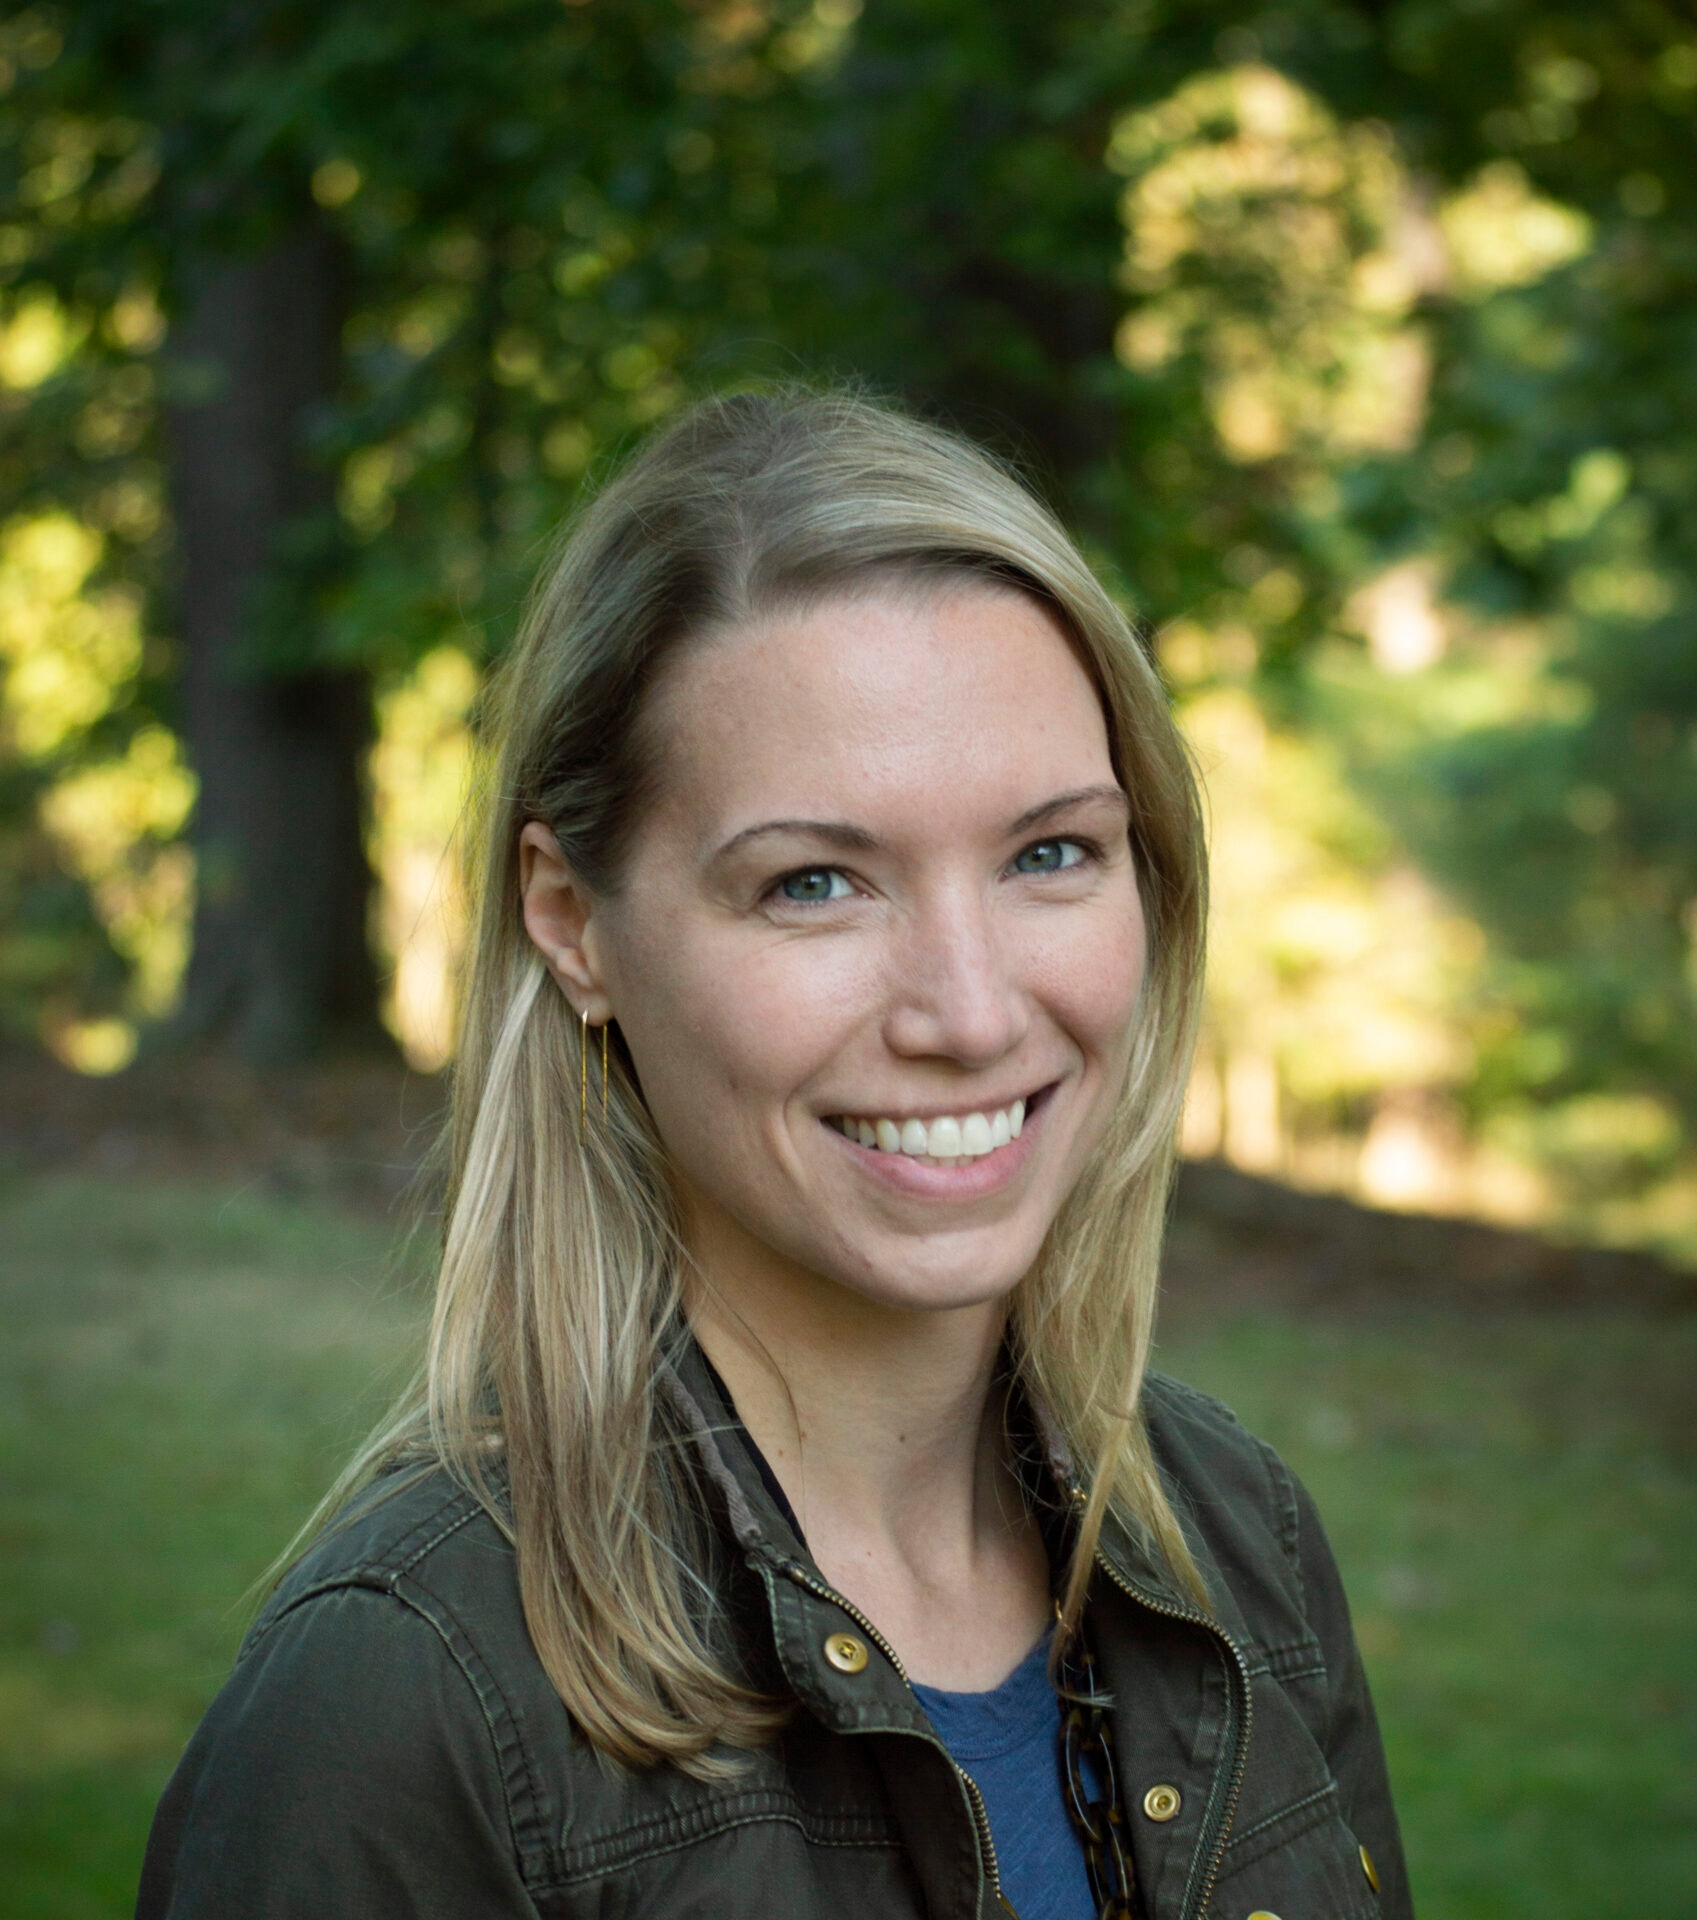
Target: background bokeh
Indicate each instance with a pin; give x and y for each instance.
(1357, 338)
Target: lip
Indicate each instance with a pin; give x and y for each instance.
(971, 1179)
(957, 1111)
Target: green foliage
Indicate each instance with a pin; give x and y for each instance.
(538, 203)
(1554, 477)
(1206, 269)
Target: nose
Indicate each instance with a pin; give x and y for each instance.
(955, 995)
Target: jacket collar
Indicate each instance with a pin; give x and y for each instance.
(757, 1522)
(764, 1530)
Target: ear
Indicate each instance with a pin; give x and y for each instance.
(560, 917)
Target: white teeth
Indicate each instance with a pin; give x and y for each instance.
(947, 1141)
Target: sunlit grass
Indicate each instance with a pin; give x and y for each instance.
(1512, 1501)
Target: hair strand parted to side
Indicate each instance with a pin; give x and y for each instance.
(560, 1274)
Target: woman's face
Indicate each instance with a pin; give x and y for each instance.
(879, 944)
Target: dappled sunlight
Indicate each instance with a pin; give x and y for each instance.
(1363, 1033)
(113, 809)
(1281, 248)
(1399, 614)
(120, 822)
(1336, 1027)
(420, 768)
(68, 647)
(1500, 233)
(35, 339)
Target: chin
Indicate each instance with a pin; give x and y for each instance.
(921, 1286)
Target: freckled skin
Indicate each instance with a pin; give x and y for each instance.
(940, 979)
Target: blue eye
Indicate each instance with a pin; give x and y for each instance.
(1048, 856)
(813, 885)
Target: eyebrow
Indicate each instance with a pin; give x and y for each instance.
(1064, 802)
(836, 833)
(853, 839)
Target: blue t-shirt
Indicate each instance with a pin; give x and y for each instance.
(1009, 1741)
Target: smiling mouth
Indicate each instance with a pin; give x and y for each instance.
(946, 1140)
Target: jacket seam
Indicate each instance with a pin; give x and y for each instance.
(362, 1570)
(373, 1575)
(401, 1569)
(1298, 1660)
(1286, 1649)
(1289, 1519)
(647, 1840)
(1284, 1830)
(1315, 1670)
(391, 1557)
(530, 1822)
(1284, 1813)
(1218, 1787)
(1166, 1386)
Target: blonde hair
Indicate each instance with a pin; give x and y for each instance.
(560, 1273)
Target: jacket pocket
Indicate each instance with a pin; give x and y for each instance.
(1290, 1852)
(1304, 1864)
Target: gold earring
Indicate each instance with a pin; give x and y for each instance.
(605, 1024)
(583, 1080)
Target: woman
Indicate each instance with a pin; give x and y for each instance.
(785, 1524)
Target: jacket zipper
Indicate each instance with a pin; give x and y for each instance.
(974, 1799)
(1241, 1758)
(987, 1846)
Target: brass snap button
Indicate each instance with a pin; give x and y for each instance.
(1368, 1868)
(1261, 1913)
(1161, 1803)
(845, 1652)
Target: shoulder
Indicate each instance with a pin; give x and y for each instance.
(1202, 1443)
(413, 1578)
(1237, 1499)
(378, 1711)
(415, 1571)
(410, 1529)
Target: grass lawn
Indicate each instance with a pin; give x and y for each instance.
(1512, 1500)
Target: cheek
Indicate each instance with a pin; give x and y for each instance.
(712, 1026)
(1092, 984)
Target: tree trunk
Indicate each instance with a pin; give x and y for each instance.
(280, 965)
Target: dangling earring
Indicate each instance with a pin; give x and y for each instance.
(583, 1080)
(605, 1024)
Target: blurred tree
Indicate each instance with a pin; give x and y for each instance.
(1316, 316)
(1553, 485)
(280, 954)
(416, 266)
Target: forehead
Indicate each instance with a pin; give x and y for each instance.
(945, 696)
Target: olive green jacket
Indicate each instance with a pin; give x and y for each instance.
(389, 1748)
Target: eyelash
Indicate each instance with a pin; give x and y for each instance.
(1090, 851)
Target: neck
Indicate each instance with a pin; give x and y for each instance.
(884, 1429)
(878, 1417)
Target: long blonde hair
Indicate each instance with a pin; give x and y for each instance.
(560, 1271)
